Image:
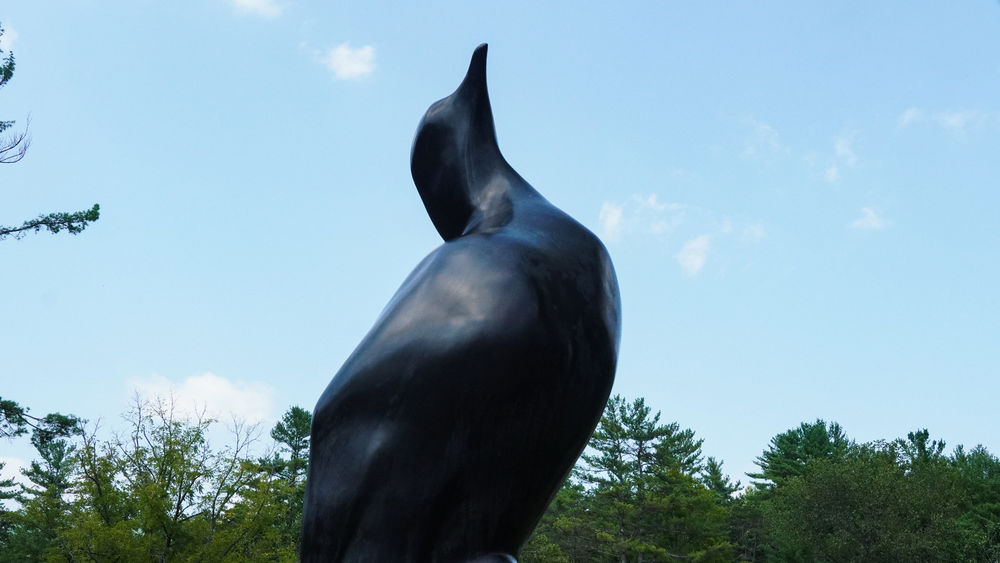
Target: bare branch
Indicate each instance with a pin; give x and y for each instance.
(13, 147)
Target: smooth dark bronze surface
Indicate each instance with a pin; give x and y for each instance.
(447, 432)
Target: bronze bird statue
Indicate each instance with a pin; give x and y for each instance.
(449, 429)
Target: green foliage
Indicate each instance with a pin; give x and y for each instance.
(716, 481)
(73, 223)
(6, 72)
(292, 435)
(8, 492)
(635, 497)
(828, 499)
(746, 525)
(12, 149)
(918, 449)
(157, 492)
(790, 452)
(15, 421)
(160, 491)
(25, 534)
(866, 507)
(979, 479)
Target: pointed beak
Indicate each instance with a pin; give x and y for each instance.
(475, 77)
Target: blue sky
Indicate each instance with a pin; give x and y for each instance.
(799, 198)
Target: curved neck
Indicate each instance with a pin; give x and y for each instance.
(463, 179)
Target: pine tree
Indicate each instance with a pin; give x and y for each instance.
(790, 451)
(643, 498)
(292, 432)
(716, 481)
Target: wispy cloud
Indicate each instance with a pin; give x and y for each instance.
(8, 38)
(843, 150)
(610, 219)
(910, 116)
(832, 174)
(647, 214)
(651, 201)
(957, 122)
(843, 157)
(263, 8)
(868, 221)
(219, 397)
(763, 140)
(753, 232)
(639, 213)
(348, 63)
(693, 254)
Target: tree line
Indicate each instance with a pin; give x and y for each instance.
(642, 491)
(155, 491)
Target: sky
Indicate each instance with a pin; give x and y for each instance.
(799, 198)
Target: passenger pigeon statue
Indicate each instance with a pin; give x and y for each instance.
(449, 429)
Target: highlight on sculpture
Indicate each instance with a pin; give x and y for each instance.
(448, 430)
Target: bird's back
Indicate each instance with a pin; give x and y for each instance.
(468, 402)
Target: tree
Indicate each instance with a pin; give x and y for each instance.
(979, 478)
(8, 491)
(746, 524)
(716, 481)
(789, 452)
(823, 497)
(918, 449)
(13, 147)
(292, 434)
(866, 506)
(74, 223)
(634, 496)
(44, 502)
(160, 492)
(15, 421)
(26, 533)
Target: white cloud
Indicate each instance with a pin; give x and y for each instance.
(651, 202)
(956, 122)
(642, 213)
(843, 157)
(263, 8)
(911, 115)
(869, 220)
(843, 150)
(763, 140)
(693, 254)
(219, 397)
(753, 232)
(611, 220)
(659, 227)
(348, 63)
(832, 174)
(8, 38)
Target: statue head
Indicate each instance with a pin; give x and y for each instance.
(454, 150)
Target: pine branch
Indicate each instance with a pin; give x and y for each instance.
(75, 223)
